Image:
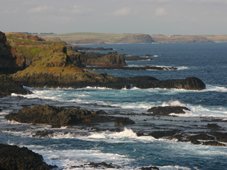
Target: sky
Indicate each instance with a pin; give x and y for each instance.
(115, 16)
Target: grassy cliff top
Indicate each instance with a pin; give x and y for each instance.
(101, 38)
(47, 62)
(89, 37)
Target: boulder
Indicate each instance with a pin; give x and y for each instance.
(167, 110)
(14, 157)
(59, 116)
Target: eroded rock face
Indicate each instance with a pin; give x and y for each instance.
(57, 116)
(13, 157)
(7, 61)
(167, 110)
(8, 86)
(103, 60)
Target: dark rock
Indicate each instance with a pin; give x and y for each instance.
(15, 158)
(43, 133)
(102, 165)
(150, 168)
(109, 60)
(7, 60)
(162, 134)
(213, 143)
(190, 83)
(220, 136)
(212, 139)
(137, 58)
(8, 86)
(58, 116)
(213, 126)
(166, 110)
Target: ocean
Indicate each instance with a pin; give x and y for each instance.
(71, 147)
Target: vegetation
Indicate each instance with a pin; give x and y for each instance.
(47, 62)
(101, 38)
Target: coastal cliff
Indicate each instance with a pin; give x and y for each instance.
(55, 64)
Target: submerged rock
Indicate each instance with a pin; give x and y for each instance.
(166, 110)
(16, 158)
(58, 116)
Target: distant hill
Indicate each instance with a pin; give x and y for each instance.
(101, 38)
(84, 38)
(160, 38)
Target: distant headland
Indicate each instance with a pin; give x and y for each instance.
(89, 37)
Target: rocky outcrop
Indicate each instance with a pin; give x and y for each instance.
(54, 64)
(7, 60)
(103, 60)
(149, 168)
(190, 83)
(58, 117)
(15, 158)
(8, 86)
(212, 138)
(166, 68)
(167, 110)
(54, 77)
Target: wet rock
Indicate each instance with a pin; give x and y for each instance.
(163, 134)
(16, 158)
(59, 116)
(8, 86)
(166, 110)
(150, 168)
(220, 136)
(102, 165)
(213, 126)
(43, 133)
(190, 83)
(213, 143)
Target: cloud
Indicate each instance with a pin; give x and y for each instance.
(39, 9)
(122, 12)
(160, 12)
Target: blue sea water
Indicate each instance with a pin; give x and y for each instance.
(68, 148)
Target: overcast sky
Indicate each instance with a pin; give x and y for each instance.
(115, 16)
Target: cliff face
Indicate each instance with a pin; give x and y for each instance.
(7, 60)
(49, 63)
(102, 60)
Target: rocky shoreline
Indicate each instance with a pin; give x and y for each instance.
(58, 117)
(60, 66)
(13, 157)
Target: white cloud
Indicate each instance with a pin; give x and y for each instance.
(123, 12)
(160, 12)
(39, 9)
